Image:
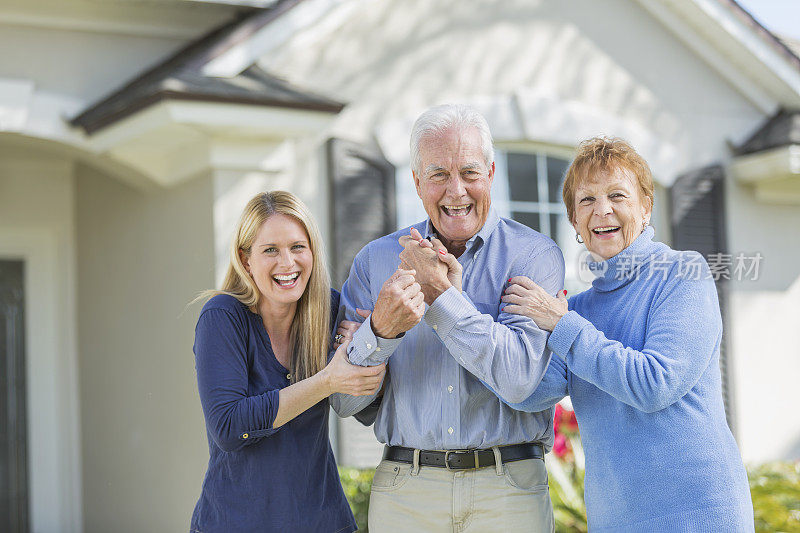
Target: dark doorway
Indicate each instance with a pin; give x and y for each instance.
(13, 427)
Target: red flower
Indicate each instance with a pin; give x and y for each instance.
(569, 420)
(560, 445)
(557, 418)
(564, 420)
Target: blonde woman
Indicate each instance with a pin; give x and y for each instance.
(261, 351)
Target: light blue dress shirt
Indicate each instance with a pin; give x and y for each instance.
(435, 397)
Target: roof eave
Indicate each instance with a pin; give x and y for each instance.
(91, 122)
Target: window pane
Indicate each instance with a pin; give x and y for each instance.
(522, 177)
(564, 233)
(529, 219)
(555, 175)
(554, 222)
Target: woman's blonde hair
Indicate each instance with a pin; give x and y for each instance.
(605, 154)
(309, 337)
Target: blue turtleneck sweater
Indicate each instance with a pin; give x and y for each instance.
(638, 354)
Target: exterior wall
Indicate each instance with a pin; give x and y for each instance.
(548, 72)
(37, 225)
(83, 49)
(104, 60)
(763, 321)
(142, 258)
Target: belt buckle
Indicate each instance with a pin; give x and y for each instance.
(447, 457)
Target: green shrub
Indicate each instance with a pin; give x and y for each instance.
(566, 494)
(775, 489)
(356, 484)
(565, 468)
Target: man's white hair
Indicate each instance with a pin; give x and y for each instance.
(438, 119)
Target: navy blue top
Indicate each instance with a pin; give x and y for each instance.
(259, 478)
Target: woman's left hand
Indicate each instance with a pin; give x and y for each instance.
(524, 297)
(347, 328)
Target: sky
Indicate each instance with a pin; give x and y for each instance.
(779, 16)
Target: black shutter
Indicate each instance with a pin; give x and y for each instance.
(13, 421)
(698, 223)
(362, 201)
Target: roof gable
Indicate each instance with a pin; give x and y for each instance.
(181, 77)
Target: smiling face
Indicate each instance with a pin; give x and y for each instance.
(280, 260)
(610, 212)
(454, 183)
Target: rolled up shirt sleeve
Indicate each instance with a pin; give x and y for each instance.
(233, 418)
(510, 354)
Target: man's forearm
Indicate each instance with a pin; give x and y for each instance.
(435, 288)
(510, 355)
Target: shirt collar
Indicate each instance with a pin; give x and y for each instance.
(483, 234)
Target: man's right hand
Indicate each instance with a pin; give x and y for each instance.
(400, 305)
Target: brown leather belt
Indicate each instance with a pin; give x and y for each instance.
(465, 459)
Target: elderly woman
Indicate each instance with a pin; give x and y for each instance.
(638, 354)
(261, 347)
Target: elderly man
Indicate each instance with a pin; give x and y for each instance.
(457, 458)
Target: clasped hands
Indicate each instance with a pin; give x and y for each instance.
(426, 270)
(436, 270)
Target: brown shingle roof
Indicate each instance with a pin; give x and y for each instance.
(781, 129)
(180, 77)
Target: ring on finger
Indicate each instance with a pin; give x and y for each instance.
(338, 337)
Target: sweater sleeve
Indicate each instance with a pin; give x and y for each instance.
(551, 390)
(233, 419)
(683, 332)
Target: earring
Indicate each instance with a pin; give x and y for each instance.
(644, 225)
(578, 238)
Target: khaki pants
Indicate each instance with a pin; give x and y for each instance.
(508, 498)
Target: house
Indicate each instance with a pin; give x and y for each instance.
(132, 132)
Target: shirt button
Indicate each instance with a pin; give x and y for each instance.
(450, 430)
(378, 349)
(450, 389)
(435, 327)
(288, 376)
(369, 346)
(245, 435)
